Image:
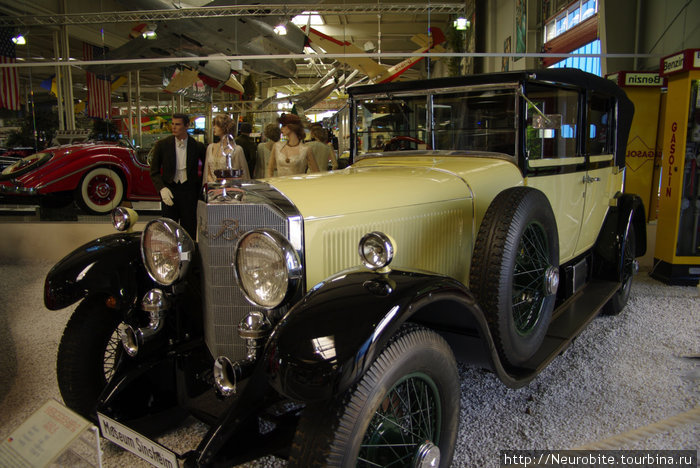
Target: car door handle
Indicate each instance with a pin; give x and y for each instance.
(588, 179)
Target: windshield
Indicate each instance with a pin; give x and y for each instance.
(477, 120)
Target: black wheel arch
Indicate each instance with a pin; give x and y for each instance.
(627, 214)
(105, 266)
(330, 338)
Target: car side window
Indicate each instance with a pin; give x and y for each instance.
(551, 117)
(600, 138)
(476, 120)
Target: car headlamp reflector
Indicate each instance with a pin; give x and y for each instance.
(166, 249)
(376, 250)
(267, 268)
(124, 218)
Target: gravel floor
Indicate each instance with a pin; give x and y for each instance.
(622, 373)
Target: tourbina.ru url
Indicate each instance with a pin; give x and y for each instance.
(597, 458)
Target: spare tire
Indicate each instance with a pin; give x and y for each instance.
(515, 271)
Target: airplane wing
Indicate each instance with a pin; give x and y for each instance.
(323, 43)
(427, 43)
(184, 79)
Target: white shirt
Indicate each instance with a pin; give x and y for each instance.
(181, 157)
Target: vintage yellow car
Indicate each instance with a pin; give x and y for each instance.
(320, 317)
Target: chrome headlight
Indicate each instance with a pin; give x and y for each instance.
(166, 249)
(376, 250)
(124, 218)
(267, 268)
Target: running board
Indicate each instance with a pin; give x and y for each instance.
(568, 321)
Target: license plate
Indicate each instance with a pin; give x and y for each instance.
(152, 452)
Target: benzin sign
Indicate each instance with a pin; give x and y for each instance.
(643, 79)
(673, 63)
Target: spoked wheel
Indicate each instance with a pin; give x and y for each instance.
(515, 271)
(531, 277)
(629, 267)
(405, 426)
(402, 412)
(88, 355)
(100, 191)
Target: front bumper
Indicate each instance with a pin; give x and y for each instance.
(14, 189)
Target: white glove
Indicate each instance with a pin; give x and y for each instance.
(167, 196)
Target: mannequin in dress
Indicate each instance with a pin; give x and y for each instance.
(323, 151)
(272, 136)
(291, 156)
(215, 160)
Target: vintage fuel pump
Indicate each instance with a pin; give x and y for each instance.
(644, 143)
(677, 253)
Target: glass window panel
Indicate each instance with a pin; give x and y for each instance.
(601, 122)
(391, 124)
(483, 120)
(561, 109)
(587, 64)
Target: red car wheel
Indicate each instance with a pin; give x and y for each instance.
(100, 191)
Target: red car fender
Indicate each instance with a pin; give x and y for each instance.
(67, 176)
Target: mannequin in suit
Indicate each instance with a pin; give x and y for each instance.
(174, 171)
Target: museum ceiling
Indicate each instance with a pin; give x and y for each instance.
(371, 26)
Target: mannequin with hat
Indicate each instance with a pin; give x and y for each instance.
(291, 156)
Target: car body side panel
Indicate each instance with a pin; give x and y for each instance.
(599, 195)
(435, 237)
(433, 200)
(565, 193)
(67, 167)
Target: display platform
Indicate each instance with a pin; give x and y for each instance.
(31, 232)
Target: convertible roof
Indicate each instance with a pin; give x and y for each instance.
(561, 76)
(565, 76)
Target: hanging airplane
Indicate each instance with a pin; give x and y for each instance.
(376, 72)
(213, 37)
(317, 93)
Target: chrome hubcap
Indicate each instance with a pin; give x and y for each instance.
(551, 280)
(428, 456)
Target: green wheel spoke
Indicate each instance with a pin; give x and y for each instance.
(406, 418)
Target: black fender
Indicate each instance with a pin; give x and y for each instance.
(628, 214)
(110, 265)
(330, 338)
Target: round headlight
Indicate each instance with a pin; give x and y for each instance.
(376, 250)
(123, 218)
(267, 268)
(166, 249)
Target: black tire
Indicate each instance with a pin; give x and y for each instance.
(514, 271)
(618, 302)
(376, 411)
(87, 355)
(100, 191)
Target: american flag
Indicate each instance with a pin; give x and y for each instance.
(99, 87)
(9, 77)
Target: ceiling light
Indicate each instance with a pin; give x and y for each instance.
(305, 16)
(461, 23)
(280, 30)
(19, 39)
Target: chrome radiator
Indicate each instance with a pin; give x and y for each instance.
(220, 225)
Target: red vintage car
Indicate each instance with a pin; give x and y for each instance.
(98, 175)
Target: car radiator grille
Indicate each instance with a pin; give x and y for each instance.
(220, 227)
